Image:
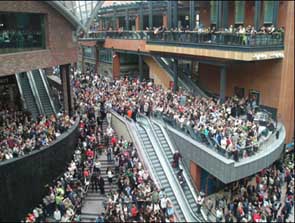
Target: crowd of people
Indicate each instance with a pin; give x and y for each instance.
(137, 197)
(230, 124)
(20, 134)
(267, 197)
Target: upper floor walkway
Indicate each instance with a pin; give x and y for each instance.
(221, 45)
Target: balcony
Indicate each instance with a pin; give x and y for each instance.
(222, 45)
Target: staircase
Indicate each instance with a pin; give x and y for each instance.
(43, 93)
(94, 201)
(27, 94)
(183, 79)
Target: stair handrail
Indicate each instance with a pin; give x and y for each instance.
(169, 71)
(21, 91)
(141, 124)
(170, 169)
(129, 123)
(46, 84)
(187, 176)
(35, 92)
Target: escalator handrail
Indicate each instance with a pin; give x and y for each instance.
(45, 83)
(186, 169)
(35, 92)
(147, 164)
(170, 72)
(185, 175)
(188, 177)
(171, 185)
(134, 137)
(171, 170)
(21, 91)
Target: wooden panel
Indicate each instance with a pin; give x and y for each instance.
(224, 54)
(286, 103)
(87, 43)
(159, 75)
(122, 44)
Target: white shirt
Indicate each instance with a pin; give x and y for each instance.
(57, 215)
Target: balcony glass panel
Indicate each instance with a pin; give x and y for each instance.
(217, 40)
(21, 32)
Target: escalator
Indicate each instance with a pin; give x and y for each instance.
(188, 189)
(158, 170)
(183, 199)
(184, 81)
(43, 92)
(28, 94)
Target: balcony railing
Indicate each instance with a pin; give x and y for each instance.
(210, 142)
(219, 40)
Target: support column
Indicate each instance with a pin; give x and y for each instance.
(219, 15)
(192, 15)
(275, 13)
(137, 26)
(82, 62)
(257, 14)
(169, 14)
(150, 14)
(116, 66)
(100, 24)
(165, 21)
(224, 14)
(140, 62)
(114, 20)
(175, 14)
(117, 23)
(175, 78)
(96, 59)
(127, 20)
(66, 88)
(222, 84)
(141, 17)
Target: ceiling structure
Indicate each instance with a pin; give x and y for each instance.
(82, 13)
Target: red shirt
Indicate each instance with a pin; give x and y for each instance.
(114, 140)
(89, 153)
(134, 211)
(86, 173)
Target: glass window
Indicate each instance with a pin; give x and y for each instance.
(268, 11)
(21, 31)
(239, 12)
(213, 12)
(89, 52)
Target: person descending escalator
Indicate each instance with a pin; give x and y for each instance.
(176, 157)
(180, 177)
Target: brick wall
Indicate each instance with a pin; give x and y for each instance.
(60, 47)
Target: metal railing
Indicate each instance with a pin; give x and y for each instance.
(226, 40)
(208, 141)
(183, 166)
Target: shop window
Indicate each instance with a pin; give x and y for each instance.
(21, 31)
(213, 12)
(240, 92)
(268, 11)
(239, 12)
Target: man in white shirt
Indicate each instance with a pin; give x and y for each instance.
(57, 215)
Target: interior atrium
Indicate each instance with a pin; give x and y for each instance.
(147, 111)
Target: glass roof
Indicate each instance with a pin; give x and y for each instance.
(81, 9)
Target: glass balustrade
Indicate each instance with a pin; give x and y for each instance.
(21, 32)
(224, 40)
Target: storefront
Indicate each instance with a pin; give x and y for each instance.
(9, 93)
